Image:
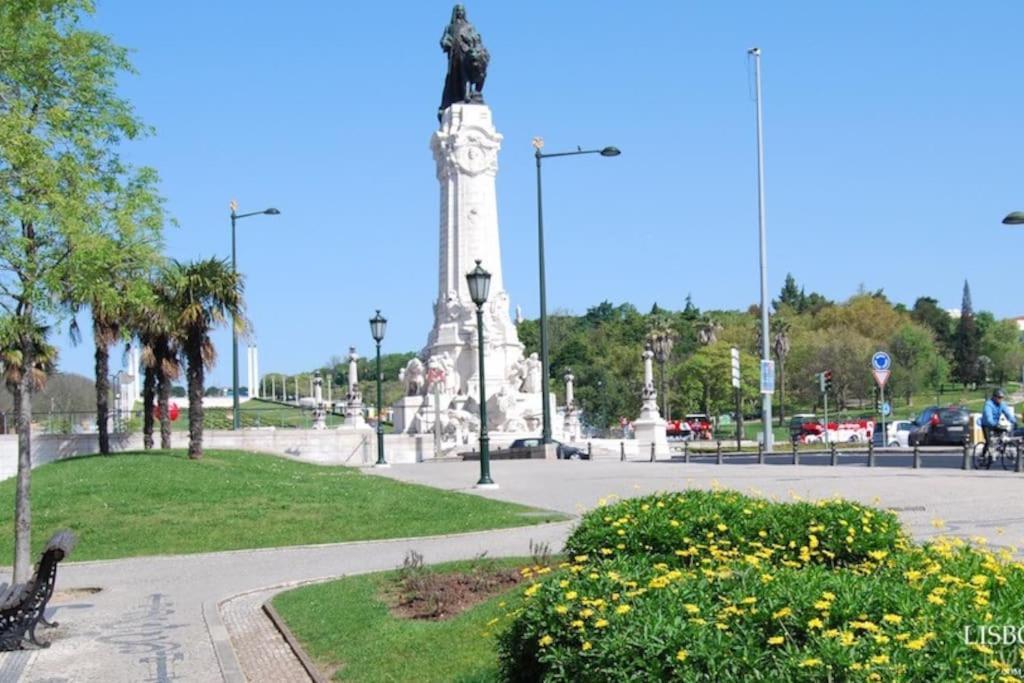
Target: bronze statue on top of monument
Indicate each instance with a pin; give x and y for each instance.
(467, 62)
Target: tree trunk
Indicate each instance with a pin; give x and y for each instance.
(102, 388)
(22, 497)
(782, 391)
(148, 396)
(164, 399)
(195, 399)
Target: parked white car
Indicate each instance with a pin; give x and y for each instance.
(897, 433)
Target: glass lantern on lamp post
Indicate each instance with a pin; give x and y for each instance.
(378, 324)
(479, 281)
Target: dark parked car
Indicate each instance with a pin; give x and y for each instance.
(564, 451)
(937, 426)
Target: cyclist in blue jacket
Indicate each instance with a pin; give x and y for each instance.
(994, 408)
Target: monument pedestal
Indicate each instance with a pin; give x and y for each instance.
(404, 411)
(650, 431)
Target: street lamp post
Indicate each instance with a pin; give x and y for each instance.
(236, 418)
(766, 397)
(538, 145)
(479, 281)
(378, 324)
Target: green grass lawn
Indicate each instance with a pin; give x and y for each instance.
(345, 624)
(160, 503)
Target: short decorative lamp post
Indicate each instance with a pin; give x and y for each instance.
(378, 324)
(479, 281)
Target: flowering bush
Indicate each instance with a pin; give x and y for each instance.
(727, 609)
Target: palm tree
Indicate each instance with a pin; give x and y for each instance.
(780, 348)
(159, 358)
(707, 331)
(203, 296)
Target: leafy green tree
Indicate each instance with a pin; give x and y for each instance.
(966, 342)
(790, 295)
(926, 311)
(204, 295)
(917, 363)
(62, 122)
(1001, 343)
(113, 280)
(705, 380)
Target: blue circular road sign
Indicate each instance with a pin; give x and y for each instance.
(886, 409)
(881, 361)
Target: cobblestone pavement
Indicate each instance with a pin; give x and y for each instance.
(262, 651)
(157, 620)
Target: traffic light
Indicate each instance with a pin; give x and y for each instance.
(827, 381)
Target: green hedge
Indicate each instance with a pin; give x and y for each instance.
(884, 610)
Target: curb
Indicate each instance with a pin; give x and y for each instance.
(293, 643)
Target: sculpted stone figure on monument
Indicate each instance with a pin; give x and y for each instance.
(412, 376)
(532, 384)
(467, 62)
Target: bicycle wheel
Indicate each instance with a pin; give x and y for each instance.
(976, 459)
(1008, 458)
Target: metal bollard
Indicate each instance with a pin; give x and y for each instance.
(871, 453)
(833, 456)
(966, 464)
(652, 451)
(686, 451)
(796, 454)
(590, 451)
(1020, 462)
(760, 453)
(622, 451)
(718, 455)
(917, 458)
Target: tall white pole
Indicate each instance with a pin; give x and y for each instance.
(766, 398)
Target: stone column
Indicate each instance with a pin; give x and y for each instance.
(353, 398)
(650, 427)
(572, 421)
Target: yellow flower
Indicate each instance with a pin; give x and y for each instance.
(576, 623)
(561, 609)
(532, 590)
(722, 527)
(812, 541)
(600, 623)
(784, 612)
(810, 662)
(815, 623)
(936, 600)
(916, 644)
(691, 608)
(983, 649)
(581, 558)
(586, 646)
(880, 659)
(892, 619)
(828, 595)
(571, 595)
(912, 575)
(776, 640)
(585, 613)
(563, 584)
(748, 601)
(622, 609)
(682, 655)
(545, 641)
(979, 580)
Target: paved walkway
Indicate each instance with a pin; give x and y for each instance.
(165, 619)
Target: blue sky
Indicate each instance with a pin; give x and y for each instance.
(893, 149)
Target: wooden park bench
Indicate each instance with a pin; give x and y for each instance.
(22, 605)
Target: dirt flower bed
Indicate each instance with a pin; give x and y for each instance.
(418, 592)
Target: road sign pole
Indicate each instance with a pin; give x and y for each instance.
(739, 421)
(825, 397)
(881, 395)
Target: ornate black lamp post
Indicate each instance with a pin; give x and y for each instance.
(378, 324)
(236, 418)
(538, 144)
(479, 281)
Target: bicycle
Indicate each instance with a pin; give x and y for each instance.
(1006, 448)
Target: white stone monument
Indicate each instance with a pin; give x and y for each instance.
(465, 151)
(572, 419)
(650, 427)
(319, 410)
(353, 398)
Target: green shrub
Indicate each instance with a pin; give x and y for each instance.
(681, 527)
(894, 612)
